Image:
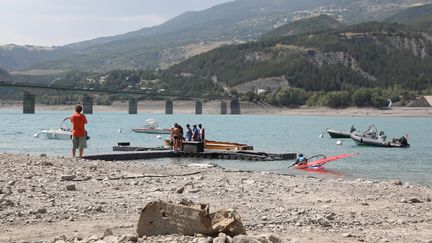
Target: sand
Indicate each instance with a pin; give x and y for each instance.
(35, 204)
(213, 107)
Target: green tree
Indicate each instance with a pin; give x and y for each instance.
(338, 99)
(362, 97)
(291, 97)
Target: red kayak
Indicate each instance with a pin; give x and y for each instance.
(316, 164)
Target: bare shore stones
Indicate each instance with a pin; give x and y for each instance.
(289, 207)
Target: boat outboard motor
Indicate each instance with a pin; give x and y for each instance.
(404, 141)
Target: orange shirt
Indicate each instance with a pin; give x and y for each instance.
(78, 121)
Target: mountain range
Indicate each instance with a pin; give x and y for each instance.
(164, 45)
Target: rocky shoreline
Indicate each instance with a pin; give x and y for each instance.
(58, 199)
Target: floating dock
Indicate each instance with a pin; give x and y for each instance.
(132, 148)
(209, 154)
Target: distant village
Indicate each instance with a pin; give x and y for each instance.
(335, 12)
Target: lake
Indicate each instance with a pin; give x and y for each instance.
(269, 133)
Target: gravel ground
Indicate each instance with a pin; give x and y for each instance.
(58, 199)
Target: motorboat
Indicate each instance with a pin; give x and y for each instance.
(152, 126)
(58, 133)
(371, 137)
(63, 132)
(340, 134)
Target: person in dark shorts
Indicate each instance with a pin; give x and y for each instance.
(176, 137)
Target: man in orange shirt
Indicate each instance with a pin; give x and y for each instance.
(79, 133)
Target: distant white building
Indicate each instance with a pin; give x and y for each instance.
(260, 91)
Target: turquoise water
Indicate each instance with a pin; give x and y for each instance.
(265, 133)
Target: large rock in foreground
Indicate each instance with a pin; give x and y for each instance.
(161, 218)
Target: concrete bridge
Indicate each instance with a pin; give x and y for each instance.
(29, 91)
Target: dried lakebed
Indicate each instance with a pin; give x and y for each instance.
(47, 198)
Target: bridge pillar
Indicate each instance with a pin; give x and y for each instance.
(133, 106)
(223, 108)
(198, 107)
(235, 106)
(88, 105)
(28, 103)
(169, 107)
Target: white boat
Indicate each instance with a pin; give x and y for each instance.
(372, 137)
(62, 133)
(58, 133)
(152, 126)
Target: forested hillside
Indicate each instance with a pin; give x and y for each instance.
(370, 55)
(365, 55)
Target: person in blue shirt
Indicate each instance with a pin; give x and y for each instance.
(195, 133)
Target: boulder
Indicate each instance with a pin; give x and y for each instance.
(161, 218)
(227, 221)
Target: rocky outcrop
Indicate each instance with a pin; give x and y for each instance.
(333, 58)
(258, 56)
(416, 47)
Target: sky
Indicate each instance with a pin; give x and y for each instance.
(60, 22)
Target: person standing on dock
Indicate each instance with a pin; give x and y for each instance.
(175, 135)
(79, 134)
(195, 133)
(188, 132)
(201, 133)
